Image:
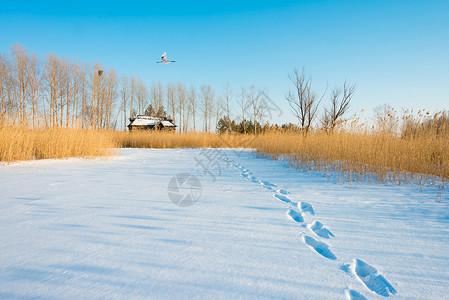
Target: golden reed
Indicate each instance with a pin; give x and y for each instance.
(420, 153)
(18, 143)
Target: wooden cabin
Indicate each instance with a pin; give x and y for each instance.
(151, 123)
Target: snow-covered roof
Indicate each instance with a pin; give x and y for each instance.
(150, 121)
(168, 124)
(144, 122)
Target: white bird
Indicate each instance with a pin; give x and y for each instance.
(164, 59)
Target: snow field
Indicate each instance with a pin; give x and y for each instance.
(107, 229)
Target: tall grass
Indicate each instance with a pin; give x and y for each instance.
(418, 151)
(163, 139)
(353, 155)
(376, 157)
(21, 143)
(400, 149)
(18, 143)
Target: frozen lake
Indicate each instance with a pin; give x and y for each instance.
(252, 228)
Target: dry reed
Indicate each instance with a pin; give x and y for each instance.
(18, 143)
(354, 154)
(163, 139)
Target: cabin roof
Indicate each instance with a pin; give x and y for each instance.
(150, 121)
(168, 123)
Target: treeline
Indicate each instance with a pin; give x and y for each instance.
(49, 91)
(42, 92)
(226, 125)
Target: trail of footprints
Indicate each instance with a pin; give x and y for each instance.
(366, 274)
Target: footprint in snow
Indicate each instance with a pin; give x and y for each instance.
(267, 183)
(306, 207)
(354, 295)
(282, 198)
(245, 175)
(254, 179)
(281, 191)
(320, 247)
(370, 277)
(295, 216)
(319, 229)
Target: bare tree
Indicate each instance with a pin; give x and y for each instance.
(207, 105)
(255, 99)
(142, 96)
(339, 105)
(157, 97)
(4, 71)
(193, 105)
(75, 89)
(7, 90)
(96, 89)
(227, 107)
(35, 86)
(132, 94)
(125, 96)
(386, 119)
(52, 85)
(111, 91)
(243, 104)
(66, 92)
(304, 101)
(20, 61)
(182, 95)
(84, 95)
(171, 101)
(219, 109)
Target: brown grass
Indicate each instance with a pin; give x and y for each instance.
(355, 155)
(162, 139)
(24, 144)
(352, 154)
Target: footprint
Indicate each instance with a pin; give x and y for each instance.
(354, 295)
(371, 278)
(267, 187)
(306, 207)
(282, 198)
(281, 191)
(295, 216)
(267, 183)
(245, 175)
(319, 229)
(254, 179)
(320, 247)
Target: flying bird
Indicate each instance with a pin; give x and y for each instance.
(164, 59)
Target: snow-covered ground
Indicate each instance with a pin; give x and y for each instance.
(110, 229)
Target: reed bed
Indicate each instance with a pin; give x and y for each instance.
(163, 139)
(18, 143)
(378, 157)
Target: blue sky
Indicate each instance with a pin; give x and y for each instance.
(396, 52)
